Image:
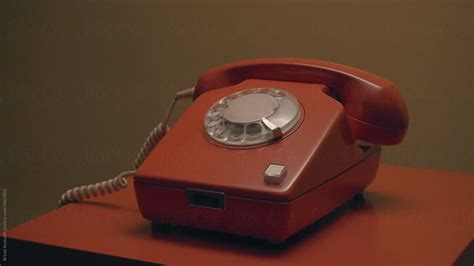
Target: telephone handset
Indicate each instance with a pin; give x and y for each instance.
(267, 147)
(374, 107)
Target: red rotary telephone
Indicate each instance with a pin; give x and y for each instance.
(269, 146)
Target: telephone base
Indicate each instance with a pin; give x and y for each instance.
(274, 221)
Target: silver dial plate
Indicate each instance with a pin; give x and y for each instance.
(252, 117)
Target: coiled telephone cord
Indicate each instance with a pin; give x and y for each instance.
(120, 181)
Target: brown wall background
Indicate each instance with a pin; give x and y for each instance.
(83, 82)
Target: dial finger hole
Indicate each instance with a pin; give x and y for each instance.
(253, 129)
(212, 115)
(236, 130)
(214, 118)
(277, 93)
(213, 112)
(213, 123)
(220, 133)
(222, 104)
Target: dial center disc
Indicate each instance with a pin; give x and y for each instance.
(250, 108)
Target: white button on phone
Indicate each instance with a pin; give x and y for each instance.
(275, 173)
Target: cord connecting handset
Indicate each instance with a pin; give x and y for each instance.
(120, 181)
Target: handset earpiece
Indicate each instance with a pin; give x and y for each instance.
(375, 110)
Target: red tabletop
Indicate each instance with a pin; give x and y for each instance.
(409, 215)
